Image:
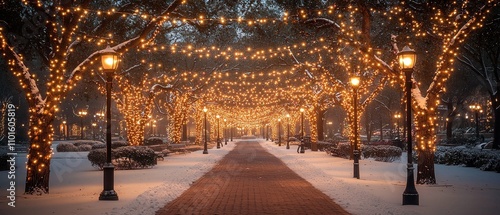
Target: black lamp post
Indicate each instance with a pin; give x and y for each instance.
(225, 131)
(302, 150)
(267, 132)
(231, 131)
(218, 140)
(279, 132)
(476, 109)
(288, 131)
(109, 60)
(407, 58)
(355, 81)
(205, 149)
(65, 130)
(81, 114)
(93, 130)
(397, 116)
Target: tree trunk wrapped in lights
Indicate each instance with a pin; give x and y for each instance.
(58, 35)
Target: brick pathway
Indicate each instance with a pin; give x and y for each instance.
(249, 180)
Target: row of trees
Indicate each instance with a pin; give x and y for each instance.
(61, 40)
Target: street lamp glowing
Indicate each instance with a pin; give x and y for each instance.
(109, 59)
(302, 110)
(287, 115)
(407, 58)
(218, 116)
(355, 81)
(205, 109)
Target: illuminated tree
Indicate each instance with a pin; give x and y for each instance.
(51, 66)
(439, 27)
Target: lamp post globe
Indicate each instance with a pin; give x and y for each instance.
(407, 58)
(109, 63)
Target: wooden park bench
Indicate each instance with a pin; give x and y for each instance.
(181, 148)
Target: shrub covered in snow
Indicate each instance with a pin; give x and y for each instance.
(153, 141)
(469, 157)
(118, 144)
(344, 149)
(99, 146)
(385, 153)
(66, 147)
(128, 157)
(84, 148)
(86, 142)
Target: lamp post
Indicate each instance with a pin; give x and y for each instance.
(302, 150)
(267, 132)
(355, 81)
(65, 130)
(218, 144)
(81, 114)
(407, 58)
(225, 131)
(205, 149)
(279, 132)
(288, 131)
(476, 109)
(231, 131)
(93, 130)
(109, 60)
(397, 116)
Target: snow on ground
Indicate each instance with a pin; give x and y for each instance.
(379, 190)
(76, 185)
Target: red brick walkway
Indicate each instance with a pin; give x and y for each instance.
(249, 180)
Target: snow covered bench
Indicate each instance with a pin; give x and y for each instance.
(178, 148)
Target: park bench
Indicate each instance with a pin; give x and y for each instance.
(180, 148)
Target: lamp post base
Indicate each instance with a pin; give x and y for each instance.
(108, 193)
(410, 199)
(356, 164)
(205, 152)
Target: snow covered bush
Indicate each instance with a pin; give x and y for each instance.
(128, 157)
(118, 144)
(344, 149)
(97, 157)
(385, 153)
(66, 147)
(84, 148)
(131, 157)
(99, 146)
(470, 157)
(86, 142)
(153, 141)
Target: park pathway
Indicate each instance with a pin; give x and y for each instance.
(249, 180)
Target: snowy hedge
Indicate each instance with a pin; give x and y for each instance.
(470, 157)
(153, 141)
(66, 147)
(385, 153)
(128, 157)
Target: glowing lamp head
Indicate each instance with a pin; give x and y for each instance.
(407, 58)
(287, 115)
(302, 110)
(218, 116)
(279, 120)
(224, 120)
(109, 59)
(355, 81)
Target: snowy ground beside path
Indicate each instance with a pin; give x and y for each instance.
(460, 190)
(75, 185)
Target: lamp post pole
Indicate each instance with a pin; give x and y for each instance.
(302, 143)
(279, 132)
(407, 59)
(109, 63)
(205, 149)
(231, 131)
(288, 131)
(225, 132)
(218, 131)
(355, 84)
(267, 132)
(397, 116)
(81, 113)
(65, 130)
(476, 109)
